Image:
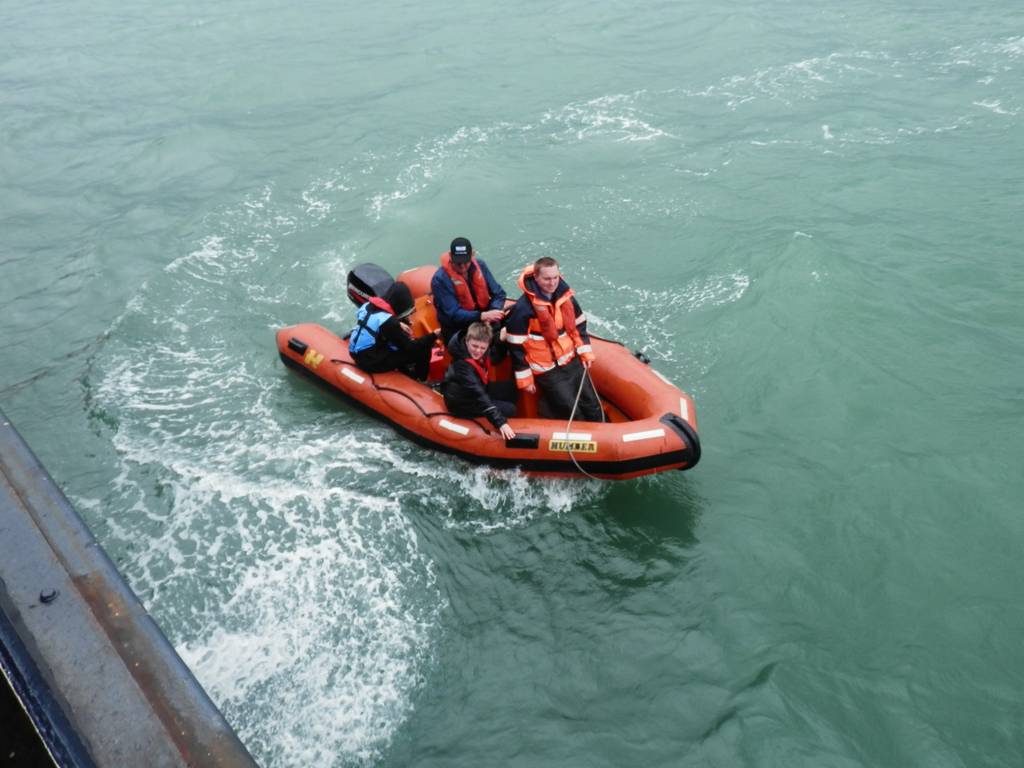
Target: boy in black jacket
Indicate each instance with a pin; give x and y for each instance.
(467, 388)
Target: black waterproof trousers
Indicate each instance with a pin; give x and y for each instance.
(500, 394)
(413, 359)
(558, 388)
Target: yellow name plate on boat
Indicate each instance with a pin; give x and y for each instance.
(576, 446)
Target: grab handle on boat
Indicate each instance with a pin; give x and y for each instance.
(523, 440)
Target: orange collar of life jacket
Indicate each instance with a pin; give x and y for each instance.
(476, 299)
(547, 313)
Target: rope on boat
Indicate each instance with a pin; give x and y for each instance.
(572, 415)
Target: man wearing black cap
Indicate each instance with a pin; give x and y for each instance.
(464, 290)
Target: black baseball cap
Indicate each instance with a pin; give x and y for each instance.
(461, 250)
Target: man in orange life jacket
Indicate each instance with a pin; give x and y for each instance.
(464, 290)
(547, 337)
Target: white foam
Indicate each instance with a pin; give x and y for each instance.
(305, 608)
(612, 116)
(322, 635)
(710, 291)
(315, 207)
(658, 336)
(500, 500)
(426, 160)
(211, 248)
(301, 599)
(1012, 47)
(996, 106)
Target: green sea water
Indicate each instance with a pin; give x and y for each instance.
(807, 214)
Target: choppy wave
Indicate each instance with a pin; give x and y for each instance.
(614, 116)
(793, 81)
(288, 590)
(497, 500)
(945, 89)
(273, 533)
(420, 164)
(658, 337)
(274, 540)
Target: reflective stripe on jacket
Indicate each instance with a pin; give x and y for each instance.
(552, 336)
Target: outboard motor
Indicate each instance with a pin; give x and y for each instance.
(366, 281)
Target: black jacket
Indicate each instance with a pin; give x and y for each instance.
(392, 340)
(464, 391)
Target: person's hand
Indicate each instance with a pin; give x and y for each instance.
(506, 431)
(587, 363)
(531, 389)
(492, 316)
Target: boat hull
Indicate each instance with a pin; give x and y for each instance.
(655, 428)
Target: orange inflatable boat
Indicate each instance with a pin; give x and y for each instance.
(652, 424)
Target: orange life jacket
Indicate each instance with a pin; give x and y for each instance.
(480, 297)
(552, 338)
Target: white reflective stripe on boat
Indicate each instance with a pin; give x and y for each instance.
(684, 409)
(570, 436)
(648, 435)
(458, 428)
(354, 376)
(663, 378)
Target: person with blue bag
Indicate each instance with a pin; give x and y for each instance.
(382, 339)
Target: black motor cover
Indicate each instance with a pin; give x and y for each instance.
(368, 280)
